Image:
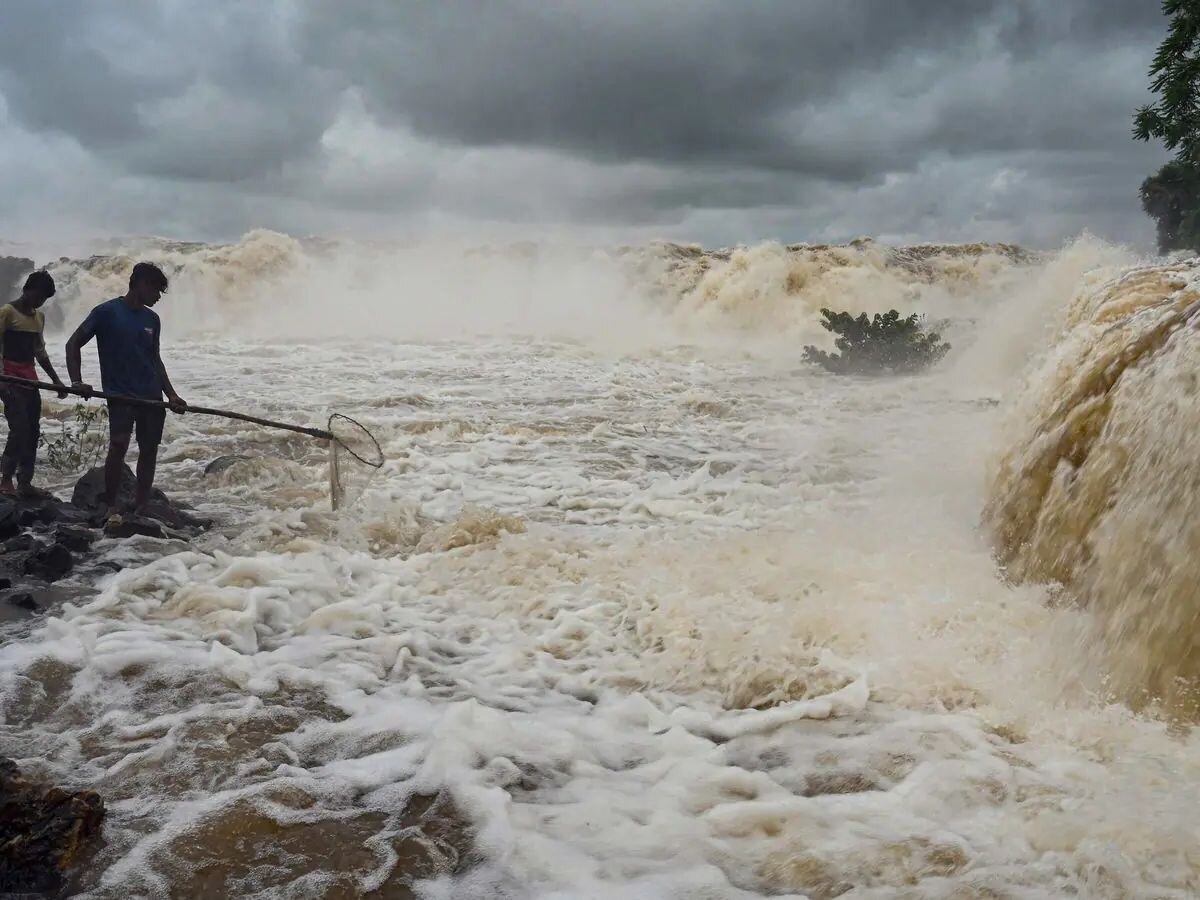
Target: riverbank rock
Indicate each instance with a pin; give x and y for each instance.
(89, 497)
(46, 561)
(38, 542)
(42, 539)
(127, 526)
(44, 830)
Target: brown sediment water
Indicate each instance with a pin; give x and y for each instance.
(1097, 487)
(639, 606)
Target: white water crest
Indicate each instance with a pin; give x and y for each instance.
(639, 605)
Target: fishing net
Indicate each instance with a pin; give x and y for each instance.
(354, 458)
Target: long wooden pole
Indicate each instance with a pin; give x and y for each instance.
(159, 404)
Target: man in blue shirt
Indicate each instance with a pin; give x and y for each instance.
(127, 332)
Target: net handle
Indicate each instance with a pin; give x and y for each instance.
(202, 410)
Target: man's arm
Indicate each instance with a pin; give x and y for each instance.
(178, 404)
(82, 335)
(48, 367)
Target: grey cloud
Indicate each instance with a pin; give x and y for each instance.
(770, 119)
(56, 77)
(666, 80)
(210, 91)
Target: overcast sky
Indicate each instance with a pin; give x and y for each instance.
(718, 122)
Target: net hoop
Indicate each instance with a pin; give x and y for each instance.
(369, 453)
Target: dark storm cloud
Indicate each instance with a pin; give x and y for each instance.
(213, 94)
(719, 121)
(689, 80)
(670, 80)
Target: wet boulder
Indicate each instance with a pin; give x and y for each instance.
(44, 830)
(133, 526)
(23, 600)
(74, 538)
(89, 497)
(10, 519)
(49, 562)
(21, 542)
(221, 463)
(16, 515)
(45, 561)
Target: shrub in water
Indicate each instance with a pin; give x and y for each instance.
(883, 344)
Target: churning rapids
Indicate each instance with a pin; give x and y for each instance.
(640, 606)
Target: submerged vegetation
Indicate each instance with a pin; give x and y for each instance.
(79, 442)
(880, 345)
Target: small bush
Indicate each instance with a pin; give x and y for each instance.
(880, 345)
(80, 441)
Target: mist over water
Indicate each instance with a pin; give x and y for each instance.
(640, 606)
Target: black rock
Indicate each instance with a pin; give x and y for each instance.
(44, 831)
(74, 538)
(48, 562)
(10, 518)
(221, 463)
(67, 513)
(20, 542)
(22, 600)
(129, 526)
(89, 497)
(42, 511)
(89, 491)
(5, 584)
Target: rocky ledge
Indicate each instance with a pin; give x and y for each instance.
(42, 540)
(44, 831)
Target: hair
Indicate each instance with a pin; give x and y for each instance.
(145, 271)
(41, 282)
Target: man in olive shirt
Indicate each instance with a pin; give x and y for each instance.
(21, 326)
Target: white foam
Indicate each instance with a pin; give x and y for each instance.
(682, 623)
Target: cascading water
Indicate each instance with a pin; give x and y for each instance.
(638, 606)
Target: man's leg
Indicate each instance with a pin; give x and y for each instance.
(146, 465)
(8, 462)
(120, 431)
(149, 436)
(32, 412)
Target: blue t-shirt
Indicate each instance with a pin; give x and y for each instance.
(127, 339)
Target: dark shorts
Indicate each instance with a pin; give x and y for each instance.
(125, 418)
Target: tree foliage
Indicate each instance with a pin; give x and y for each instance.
(883, 344)
(1172, 195)
(1174, 118)
(1172, 198)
